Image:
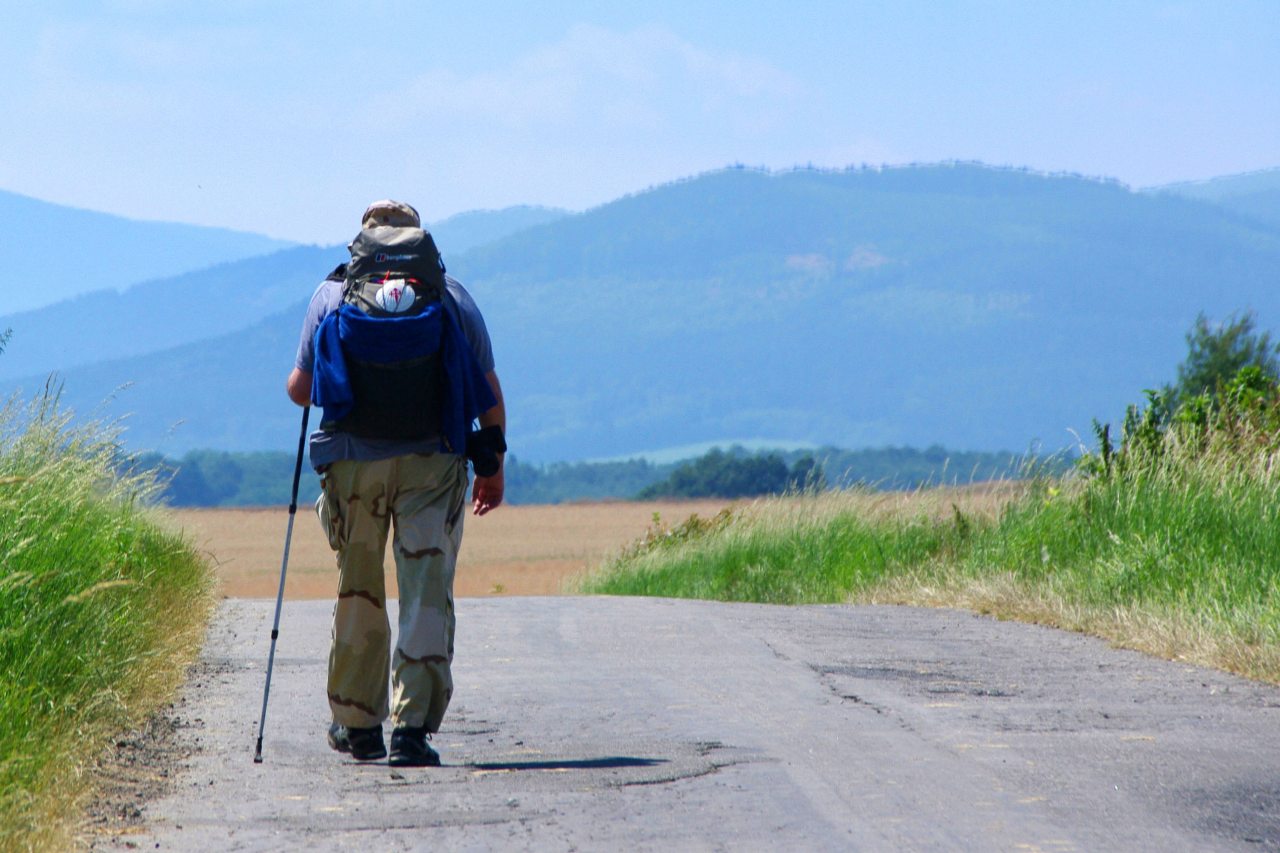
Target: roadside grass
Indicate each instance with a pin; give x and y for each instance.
(101, 609)
(790, 549)
(1174, 555)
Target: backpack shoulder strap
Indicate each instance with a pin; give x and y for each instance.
(451, 306)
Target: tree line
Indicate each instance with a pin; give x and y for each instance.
(216, 478)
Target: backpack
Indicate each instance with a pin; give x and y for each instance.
(395, 273)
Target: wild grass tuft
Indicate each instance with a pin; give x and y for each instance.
(1167, 543)
(100, 610)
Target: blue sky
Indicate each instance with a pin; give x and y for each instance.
(287, 117)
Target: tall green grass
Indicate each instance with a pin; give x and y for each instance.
(797, 549)
(100, 609)
(1195, 541)
(1170, 544)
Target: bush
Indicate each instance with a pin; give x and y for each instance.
(718, 474)
(1217, 354)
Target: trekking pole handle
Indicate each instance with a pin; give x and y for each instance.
(297, 465)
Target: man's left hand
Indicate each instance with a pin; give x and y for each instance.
(486, 493)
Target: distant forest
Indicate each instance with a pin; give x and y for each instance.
(213, 478)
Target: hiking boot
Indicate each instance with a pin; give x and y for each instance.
(409, 748)
(362, 744)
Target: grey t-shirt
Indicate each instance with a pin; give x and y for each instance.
(327, 447)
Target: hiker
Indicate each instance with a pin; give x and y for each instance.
(397, 353)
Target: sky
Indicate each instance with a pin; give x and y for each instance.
(287, 118)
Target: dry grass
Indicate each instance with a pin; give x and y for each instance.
(516, 550)
(982, 501)
(1159, 632)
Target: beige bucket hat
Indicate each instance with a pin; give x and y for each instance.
(388, 212)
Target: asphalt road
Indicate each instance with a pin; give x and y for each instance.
(606, 723)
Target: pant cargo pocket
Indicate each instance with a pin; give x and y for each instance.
(329, 511)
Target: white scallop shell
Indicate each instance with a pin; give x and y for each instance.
(395, 297)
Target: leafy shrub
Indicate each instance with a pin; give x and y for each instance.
(1237, 425)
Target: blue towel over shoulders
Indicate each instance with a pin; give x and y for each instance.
(348, 331)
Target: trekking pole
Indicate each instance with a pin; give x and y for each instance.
(275, 626)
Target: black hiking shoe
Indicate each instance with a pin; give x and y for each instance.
(409, 748)
(362, 744)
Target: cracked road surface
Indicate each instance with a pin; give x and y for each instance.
(611, 723)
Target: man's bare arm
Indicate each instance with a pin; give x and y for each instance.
(298, 386)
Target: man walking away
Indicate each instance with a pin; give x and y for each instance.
(398, 354)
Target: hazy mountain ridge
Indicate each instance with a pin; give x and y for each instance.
(106, 325)
(220, 392)
(465, 231)
(1255, 195)
(57, 252)
(1012, 276)
(1225, 187)
(968, 306)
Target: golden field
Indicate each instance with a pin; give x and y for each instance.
(514, 550)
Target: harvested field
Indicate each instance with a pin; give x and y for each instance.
(515, 550)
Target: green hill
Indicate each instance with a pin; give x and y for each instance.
(960, 305)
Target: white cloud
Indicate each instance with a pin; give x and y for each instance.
(187, 118)
(577, 122)
(645, 80)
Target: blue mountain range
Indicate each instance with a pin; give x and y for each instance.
(954, 304)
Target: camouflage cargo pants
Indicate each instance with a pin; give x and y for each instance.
(421, 498)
